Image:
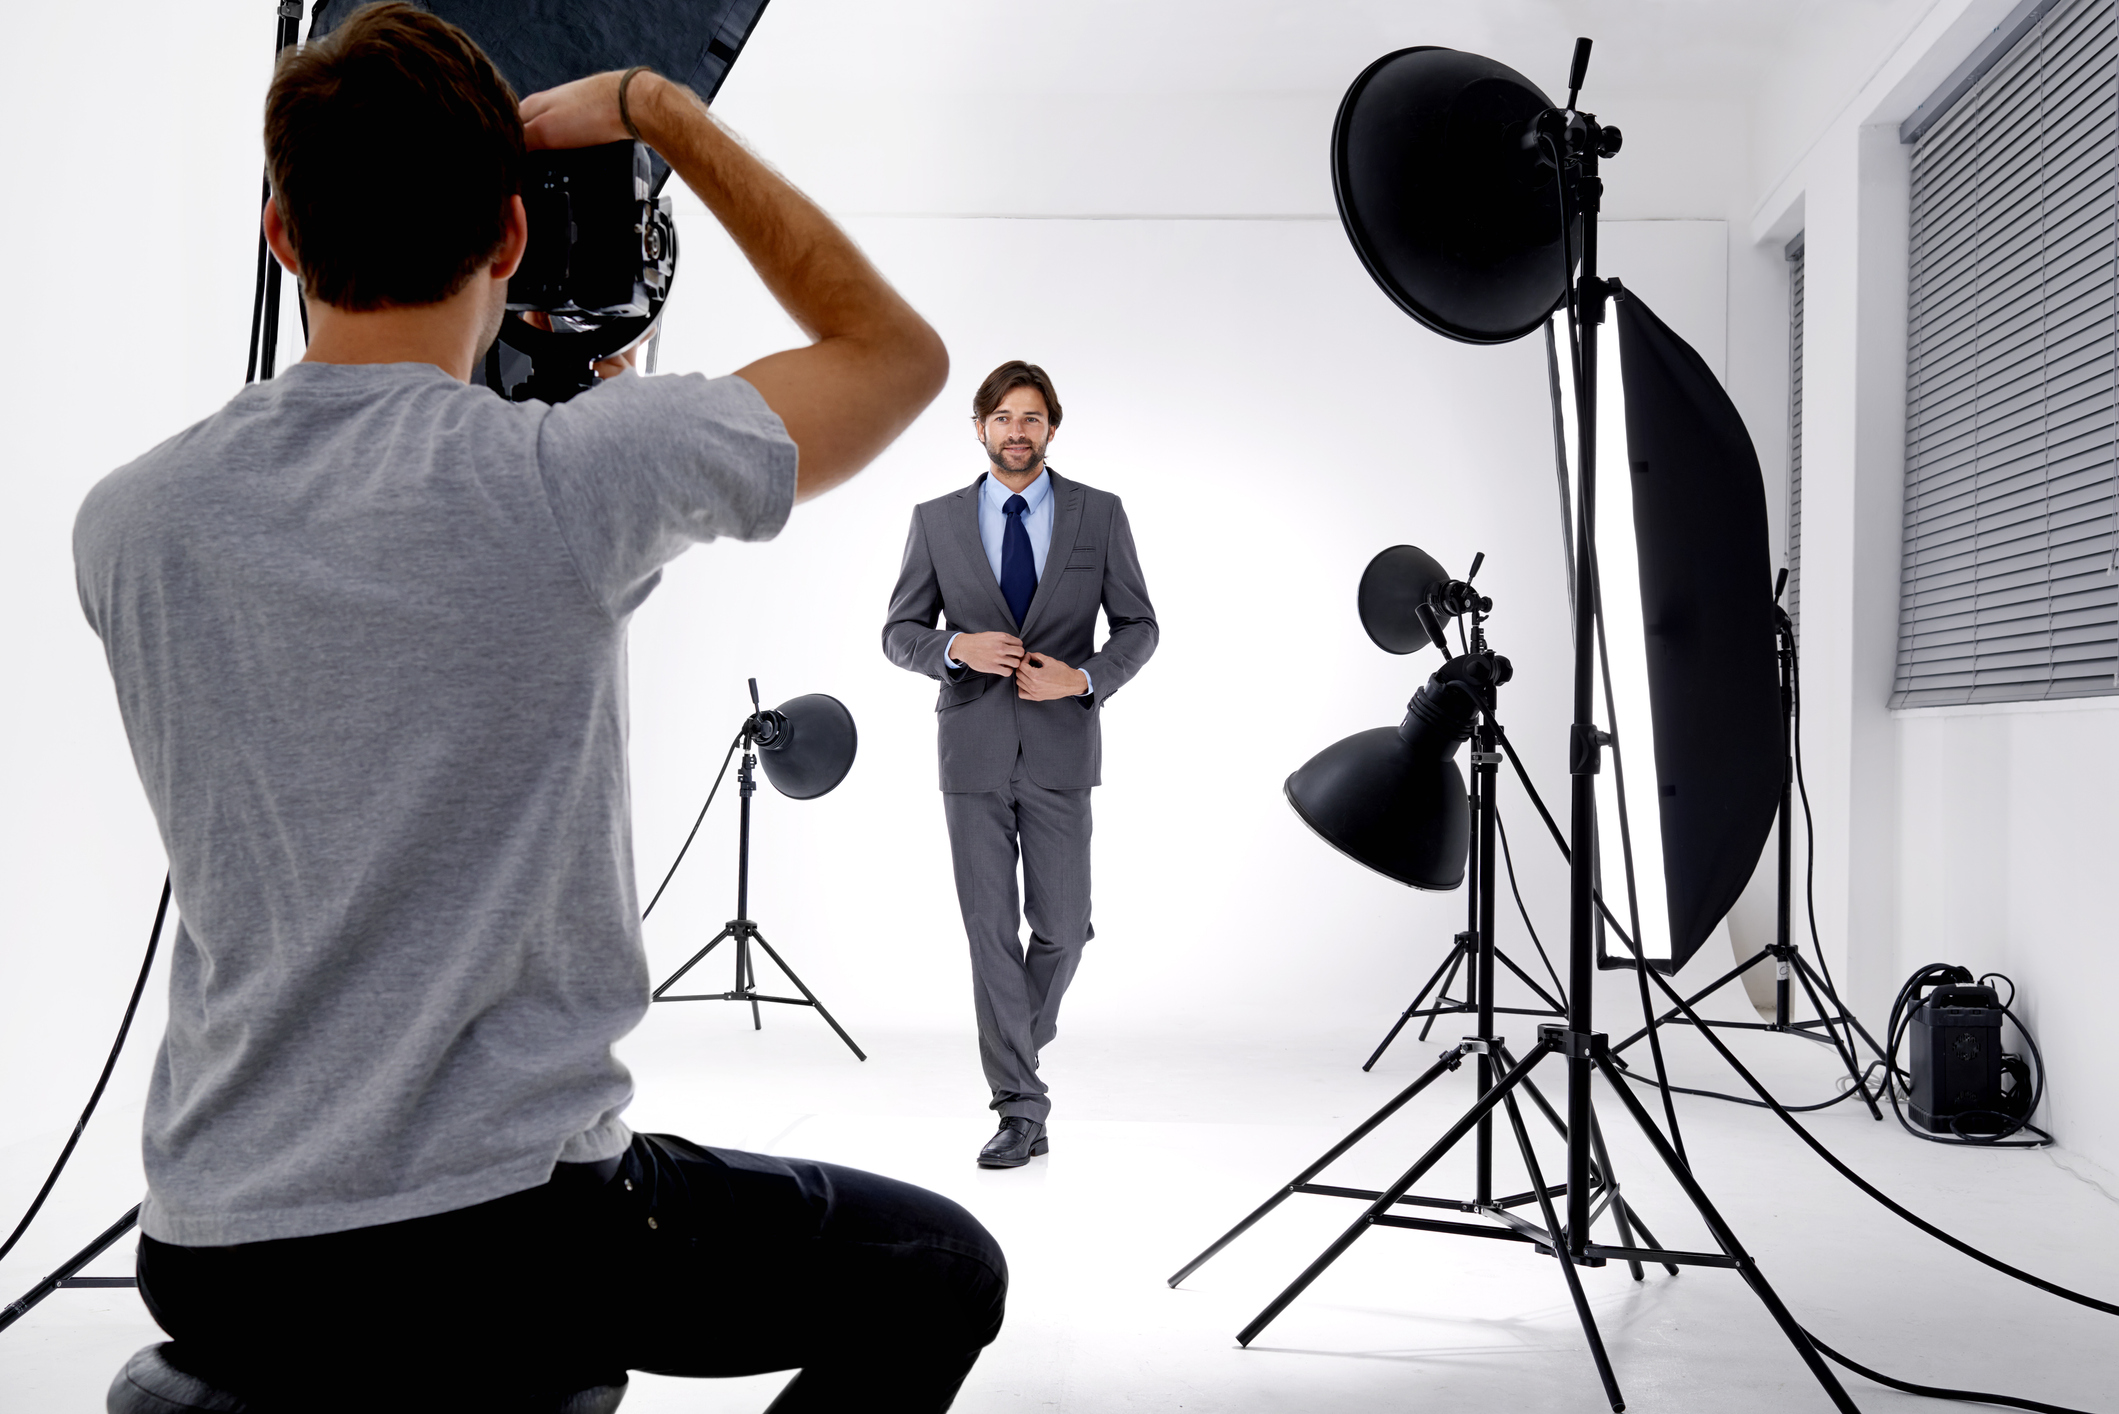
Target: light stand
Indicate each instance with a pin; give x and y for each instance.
(1789, 963)
(1474, 950)
(740, 930)
(1575, 142)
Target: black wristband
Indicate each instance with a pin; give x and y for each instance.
(625, 115)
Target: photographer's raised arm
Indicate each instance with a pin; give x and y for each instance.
(875, 362)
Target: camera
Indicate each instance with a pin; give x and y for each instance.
(601, 258)
(601, 243)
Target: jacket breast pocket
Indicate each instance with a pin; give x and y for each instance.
(1085, 557)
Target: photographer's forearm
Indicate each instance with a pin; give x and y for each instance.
(875, 363)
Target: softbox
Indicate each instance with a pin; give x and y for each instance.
(540, 44)
(1706, 606)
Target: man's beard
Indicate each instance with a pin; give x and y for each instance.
(998, 456)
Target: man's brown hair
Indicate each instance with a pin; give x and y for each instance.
(393, 145)
(1006, 379)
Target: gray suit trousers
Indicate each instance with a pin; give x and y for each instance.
(1016, 991)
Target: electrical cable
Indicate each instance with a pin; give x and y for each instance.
(695, 829)
(1936, 1391)
(110, 1063)
(1523, 912)
(1847, 1094)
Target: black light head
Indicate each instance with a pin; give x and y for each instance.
(1396, 600)
(1447, 188)
(1393, 798)
(1406, 598)
(806, 745)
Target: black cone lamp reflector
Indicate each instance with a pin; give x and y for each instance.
(1395, 587)
(1393, 798)
(806, 745)
(1451, 204)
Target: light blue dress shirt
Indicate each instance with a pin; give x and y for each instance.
(993, 526)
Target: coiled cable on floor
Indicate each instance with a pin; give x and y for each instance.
(2033, 1076)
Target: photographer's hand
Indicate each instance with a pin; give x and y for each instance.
(583, 113)
(873, 363)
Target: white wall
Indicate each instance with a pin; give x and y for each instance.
(1974, 836)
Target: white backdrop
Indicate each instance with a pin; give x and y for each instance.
(1269, 418)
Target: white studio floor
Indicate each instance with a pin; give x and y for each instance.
(1160, 1143)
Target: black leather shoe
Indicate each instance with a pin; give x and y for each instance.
(1019, 1141)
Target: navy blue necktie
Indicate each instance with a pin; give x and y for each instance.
(1018, 568)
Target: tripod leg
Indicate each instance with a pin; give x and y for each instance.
(1619, 1214)
(1466, 1122)
(1449, 1061)
(697, 958)
(1552, 1116)
(1412, 1009)
(1845, 1046)
(1456, 960)
(1716, 985)
(1561, 1249)
(747, 978)
(1753, 1278)
(1543, 995)
(1647, 1236)
(1853, 1021)
(19, 1308)
(811, 998)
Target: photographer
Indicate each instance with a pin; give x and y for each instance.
(367, 629)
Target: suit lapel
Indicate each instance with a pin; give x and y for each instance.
(1066, 521)
(968, 541)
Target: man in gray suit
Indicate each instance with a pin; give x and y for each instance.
(1015, 567)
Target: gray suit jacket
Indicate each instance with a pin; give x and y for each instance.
(982, 723)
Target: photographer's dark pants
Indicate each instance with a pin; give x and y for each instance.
(684, 1261)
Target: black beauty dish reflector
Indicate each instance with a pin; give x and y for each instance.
(806, 745)
(1449, 195)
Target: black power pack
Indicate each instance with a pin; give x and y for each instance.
(1955, 1039)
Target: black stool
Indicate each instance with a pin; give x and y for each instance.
(151, 1383)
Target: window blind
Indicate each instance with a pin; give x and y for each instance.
(1793, 600)
(2006, 586)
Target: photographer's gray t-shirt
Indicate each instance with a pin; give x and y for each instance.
(367, 629)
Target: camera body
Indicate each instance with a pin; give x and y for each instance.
(602, 244)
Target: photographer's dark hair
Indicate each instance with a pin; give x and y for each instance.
(393, 146)
(1006, 379)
